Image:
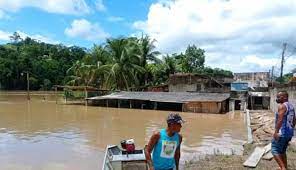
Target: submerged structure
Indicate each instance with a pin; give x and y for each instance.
(176, 101)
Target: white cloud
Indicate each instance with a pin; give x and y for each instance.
(75, 7)
(100, 5)
(258, 61)
(86, 30)
(238, 35)
(38, 37)
(5, 36)
(140, 25)
(115, 19)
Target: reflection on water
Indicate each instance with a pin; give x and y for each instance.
(39, 134)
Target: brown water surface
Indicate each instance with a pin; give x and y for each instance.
(41, 135)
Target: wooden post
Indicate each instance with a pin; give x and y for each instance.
(118, 103)
(155, 105)
(219, 105)
(28, 86)
(56, 91)
(233, 105)
(65, 96)
(86, 95)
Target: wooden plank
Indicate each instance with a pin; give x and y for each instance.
(267, 148)
(255, 157)
(268, 156)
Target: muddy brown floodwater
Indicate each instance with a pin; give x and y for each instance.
(42, 135)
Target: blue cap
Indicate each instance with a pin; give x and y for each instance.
(174, 118)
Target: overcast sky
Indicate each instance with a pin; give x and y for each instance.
(239, 35)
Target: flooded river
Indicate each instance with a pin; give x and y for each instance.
(41, 135)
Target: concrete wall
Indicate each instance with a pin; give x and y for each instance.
(182, 87)
(273, 92)
(197, 88)
(256, 79)
(261, 76)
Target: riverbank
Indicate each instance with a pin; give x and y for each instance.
(262, 123)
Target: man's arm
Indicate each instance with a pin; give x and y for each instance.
(178, 153)
(281, 113)
(153, 140)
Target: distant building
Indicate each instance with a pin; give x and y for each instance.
(239, 91)
(250, 90)
(198, 83)
(254, 79)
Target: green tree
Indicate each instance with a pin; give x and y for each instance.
(192, 60)
(147, 54)
(43, 61)
(124, 64)
(15, 38)
(161, 71)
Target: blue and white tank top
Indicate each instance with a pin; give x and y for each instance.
(164, 151)
(287, 129)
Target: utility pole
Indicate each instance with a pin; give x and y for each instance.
(272, 71)
(283, 59)
(28, 86)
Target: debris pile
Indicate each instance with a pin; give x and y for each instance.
(262, 125)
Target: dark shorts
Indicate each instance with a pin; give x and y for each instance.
(279, 147)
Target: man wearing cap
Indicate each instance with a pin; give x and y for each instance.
(165, 145)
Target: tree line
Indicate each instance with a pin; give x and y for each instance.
(125, 63)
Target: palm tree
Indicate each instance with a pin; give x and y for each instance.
(160, 72)
(99, 54)
(124, 64)
(170, 65)
(147, 54)
(86, 74)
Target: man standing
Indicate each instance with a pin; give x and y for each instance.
(285, 120)
(165, 145)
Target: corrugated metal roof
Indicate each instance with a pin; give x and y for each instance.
(174, 97)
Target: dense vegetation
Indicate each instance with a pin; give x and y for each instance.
(287, 77)
(122, 63)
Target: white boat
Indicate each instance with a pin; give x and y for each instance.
(118, 159)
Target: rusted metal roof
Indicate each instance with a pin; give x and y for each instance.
(172, 97)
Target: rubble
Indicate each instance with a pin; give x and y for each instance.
(262, 125)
